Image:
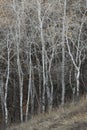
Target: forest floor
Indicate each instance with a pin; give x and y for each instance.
(70, 117)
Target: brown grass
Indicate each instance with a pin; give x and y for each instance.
(70, 117)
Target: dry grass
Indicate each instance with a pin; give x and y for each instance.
(69, 117)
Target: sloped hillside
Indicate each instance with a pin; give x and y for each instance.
(70, 117)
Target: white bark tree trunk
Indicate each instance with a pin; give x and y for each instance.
(19, 15)
(77, 83)
(20, 84)
(43, 52)
(40, 80)
(6, 85)
(63, 55)
(29, 84)
(20, 74)
(2, 99)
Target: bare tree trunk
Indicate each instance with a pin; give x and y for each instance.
(6, 84)
(2, 101)
(51, 95)
(20, 85)
(40, 80)
(19, 13)
(43, 53)
(51, 83)
(47, 85)
(20, 82)
(77, 83)
(32, 98)
(20, 79)
(40, 103)
(29, 84)
(63, 55)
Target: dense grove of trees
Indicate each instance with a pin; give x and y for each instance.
(43, 56)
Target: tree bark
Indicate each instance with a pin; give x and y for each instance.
(63, 56)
